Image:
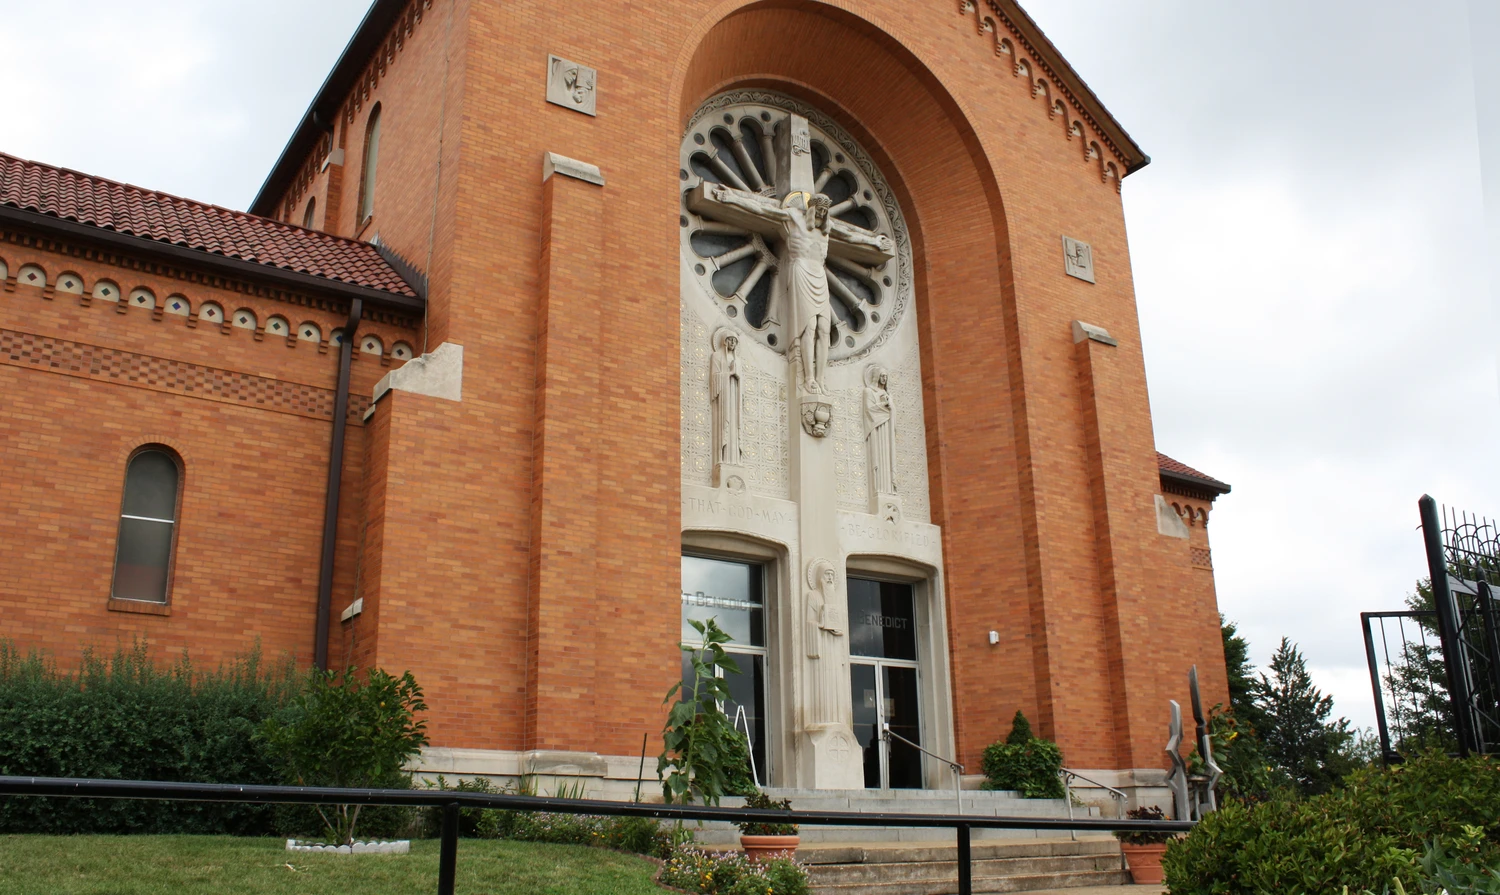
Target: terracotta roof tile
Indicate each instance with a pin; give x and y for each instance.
(1168, 465)
(123, 208)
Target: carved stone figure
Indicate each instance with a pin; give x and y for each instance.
(825, 624)
(880, 432)
(725, 390)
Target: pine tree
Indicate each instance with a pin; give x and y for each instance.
(1297, 736)
(1241, 676)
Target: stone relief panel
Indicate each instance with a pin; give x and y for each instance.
(763, 436)
(764, 452)
(850, 465)
(697, 448)
(911, 437)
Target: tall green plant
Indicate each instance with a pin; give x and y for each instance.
(703, 757)
(341, 731)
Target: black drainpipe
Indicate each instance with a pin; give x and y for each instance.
(335, 480)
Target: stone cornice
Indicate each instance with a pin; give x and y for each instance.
(1018, 40)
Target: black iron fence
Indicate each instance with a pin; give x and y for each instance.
(1435, 668)
(451, 802)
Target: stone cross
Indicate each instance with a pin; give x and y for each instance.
(800, 220)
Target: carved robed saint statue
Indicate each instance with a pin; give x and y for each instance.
(880, 431)
(725, 391)
(825, 624)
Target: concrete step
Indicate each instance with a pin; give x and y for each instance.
(976, 803)
(947, 871)
(1026, 883)
(874, 868)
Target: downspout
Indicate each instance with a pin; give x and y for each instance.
(335, 481)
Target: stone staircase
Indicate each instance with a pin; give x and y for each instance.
(1018, 865)
(895, 860)
(976, 803)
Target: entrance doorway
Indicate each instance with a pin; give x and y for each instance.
(883, 681)
(733, 593)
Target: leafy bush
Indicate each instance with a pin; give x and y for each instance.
(767, 828)
(1145, 812)
(731, 873)
(640, 835)
(339, 731)
(125, 718)
(1370, 834)
(1024, 763)
(703, 756)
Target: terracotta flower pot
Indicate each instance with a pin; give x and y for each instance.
(1145, 861)
(758, 847)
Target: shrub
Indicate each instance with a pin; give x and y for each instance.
(125, 718)
(339, 731)
(731, 873)
(1370, 834)
(1145, 812)
(1024, 763)
(640, 835)
(767, 828)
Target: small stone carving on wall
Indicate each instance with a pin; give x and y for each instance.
(1078, 259)
(571, 85)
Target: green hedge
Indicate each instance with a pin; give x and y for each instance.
(1373, 831)
(125, 718)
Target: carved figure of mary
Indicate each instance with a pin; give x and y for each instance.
(880, 433)
(724, 396)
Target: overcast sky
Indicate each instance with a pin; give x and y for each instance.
(1308, 244)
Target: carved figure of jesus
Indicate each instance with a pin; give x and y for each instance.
(880, 432)
(724, 395)
(806, 229)
(825, 621)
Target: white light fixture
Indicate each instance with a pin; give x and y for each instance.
(994, 637)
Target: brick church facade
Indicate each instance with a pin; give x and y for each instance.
(513, 341)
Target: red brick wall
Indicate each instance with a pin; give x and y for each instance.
(87, 384)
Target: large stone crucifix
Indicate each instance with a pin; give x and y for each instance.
(793, 213)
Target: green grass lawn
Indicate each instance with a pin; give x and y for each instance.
(186, 865)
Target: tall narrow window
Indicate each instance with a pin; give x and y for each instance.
(734, 594)
(307, 216)
(148, 526)
(367, 173)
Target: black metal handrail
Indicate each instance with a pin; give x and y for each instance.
(451, 801)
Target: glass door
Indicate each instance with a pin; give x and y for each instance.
(883, 681)
(733, 593)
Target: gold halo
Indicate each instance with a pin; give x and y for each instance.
(806, 199)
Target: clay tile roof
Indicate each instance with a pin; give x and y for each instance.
(94, 201)
(1181, 473)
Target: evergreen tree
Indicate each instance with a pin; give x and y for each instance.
(1297, 735)
(1241, 677)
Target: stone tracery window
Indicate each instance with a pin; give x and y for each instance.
(732, 142)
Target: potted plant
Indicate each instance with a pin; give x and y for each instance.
(1143, 850)
(763, 839)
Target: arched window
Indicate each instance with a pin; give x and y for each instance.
(307, 216)
(148, 526)
(367, 173)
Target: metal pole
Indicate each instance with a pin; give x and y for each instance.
(1486, 601)
(965, 870)
(1068, 794)
(1380, 725)
(1442, 598)
(448, 854)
